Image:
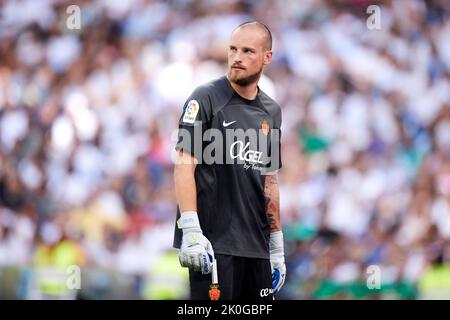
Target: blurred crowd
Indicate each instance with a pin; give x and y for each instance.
(88, 119)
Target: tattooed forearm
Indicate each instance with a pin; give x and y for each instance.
(272, 195)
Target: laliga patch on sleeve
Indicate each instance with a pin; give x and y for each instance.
(191, 111)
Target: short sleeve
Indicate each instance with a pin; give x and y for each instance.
(194, 122)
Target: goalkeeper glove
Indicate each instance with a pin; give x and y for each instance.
(196, 252)
(277, 260)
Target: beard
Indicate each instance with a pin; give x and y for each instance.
(244, 81)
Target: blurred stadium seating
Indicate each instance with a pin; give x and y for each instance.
(86, 143)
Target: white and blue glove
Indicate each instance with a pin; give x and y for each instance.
(196, 252)
(276, 246)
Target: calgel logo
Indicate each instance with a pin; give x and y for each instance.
(265, 292)
(243, 154)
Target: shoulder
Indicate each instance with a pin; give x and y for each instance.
(214, 89)
(216, 92)
(271, 105)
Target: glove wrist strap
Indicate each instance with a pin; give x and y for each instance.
(276, 243)
(189, 221)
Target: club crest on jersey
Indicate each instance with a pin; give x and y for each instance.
(265, 126)
(191, 111)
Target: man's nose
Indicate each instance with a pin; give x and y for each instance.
(237, 57)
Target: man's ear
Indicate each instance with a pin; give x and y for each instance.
(267, 57)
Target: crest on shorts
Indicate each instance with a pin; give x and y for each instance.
(191, 111)
(265, 127)
(214, 292)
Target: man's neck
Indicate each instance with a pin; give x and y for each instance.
(248, 92)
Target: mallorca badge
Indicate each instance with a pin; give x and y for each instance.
(214, 292)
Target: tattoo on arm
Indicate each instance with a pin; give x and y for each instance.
(272, 196)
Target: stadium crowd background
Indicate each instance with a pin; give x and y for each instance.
(87, 120)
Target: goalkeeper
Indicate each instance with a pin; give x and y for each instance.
(228, 210)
